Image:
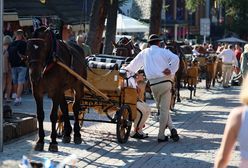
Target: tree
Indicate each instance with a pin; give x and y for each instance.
(238, 11)
(111, 27)
(192, 5)
(97, 20)
(155, 17)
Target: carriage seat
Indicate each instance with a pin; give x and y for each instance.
(104, 76)
(119, 60)
(102, 65)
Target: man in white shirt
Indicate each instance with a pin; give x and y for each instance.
(195, 52)
(160, 66)
(229, 60)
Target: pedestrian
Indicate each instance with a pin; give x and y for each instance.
(238, 52)
(81, 42)
(195, 51)
(7, 78)
(71, 34)
(244, 61)
(235, 129)
(229, 61)
(17, 51)
(160, 66)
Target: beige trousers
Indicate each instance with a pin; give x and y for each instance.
(227, 73)
(143, 112)
(162, 96)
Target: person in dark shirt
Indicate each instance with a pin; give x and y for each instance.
(18, 67)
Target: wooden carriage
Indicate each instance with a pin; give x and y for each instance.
(107, 94)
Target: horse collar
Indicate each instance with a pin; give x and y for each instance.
(48, 68)
(50, 59)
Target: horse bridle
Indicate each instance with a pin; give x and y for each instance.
(45, 65)
(34, 39)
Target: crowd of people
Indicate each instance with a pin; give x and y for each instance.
(159, 74)
(15, 68)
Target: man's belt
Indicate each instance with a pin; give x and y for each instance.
(161, 82)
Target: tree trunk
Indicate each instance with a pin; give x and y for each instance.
(111, 27)
(155, 17)
(97, 20)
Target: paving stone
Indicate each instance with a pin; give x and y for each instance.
(200, 123)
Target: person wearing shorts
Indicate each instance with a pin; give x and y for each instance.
(18, 67)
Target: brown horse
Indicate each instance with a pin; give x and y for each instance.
(192, 76)
(182, 70)
(211, 67)
(48, 77)
(125, 47)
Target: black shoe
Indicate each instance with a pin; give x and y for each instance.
(163, 140)
(174, 136)
(139, 136)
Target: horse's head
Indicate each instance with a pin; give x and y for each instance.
(121, 50)
(125, 47)
(36, 57)
(39, 53)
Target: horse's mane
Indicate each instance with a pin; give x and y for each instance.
(37, 33)
(123, 41)
(186, 49)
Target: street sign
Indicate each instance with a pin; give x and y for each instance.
(205, 26)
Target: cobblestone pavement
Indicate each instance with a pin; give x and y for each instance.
(200, 123)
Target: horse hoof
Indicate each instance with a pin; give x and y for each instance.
(66, 139)
(178, 100)
(39, 147)
(53, 147)
(77, 140)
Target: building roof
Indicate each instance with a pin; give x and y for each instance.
(70, 11)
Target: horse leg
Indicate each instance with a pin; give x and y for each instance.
(213, 84)
(178, 90)
(53, 147)
(39, 146)
(191, 90)
(194, 90)
(67, 125)
(207, 80)
(76, 109)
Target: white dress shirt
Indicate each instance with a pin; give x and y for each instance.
(195, 52)
(228, 57)
(154, 60)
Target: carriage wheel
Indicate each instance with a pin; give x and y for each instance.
(124, 123)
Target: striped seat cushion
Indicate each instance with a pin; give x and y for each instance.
(102, 65)
(108, 59)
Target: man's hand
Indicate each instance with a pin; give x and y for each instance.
(167, 71)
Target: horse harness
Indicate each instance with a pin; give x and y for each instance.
(52, 56)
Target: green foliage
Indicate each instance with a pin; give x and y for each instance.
(238, 11)
(192, 5)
